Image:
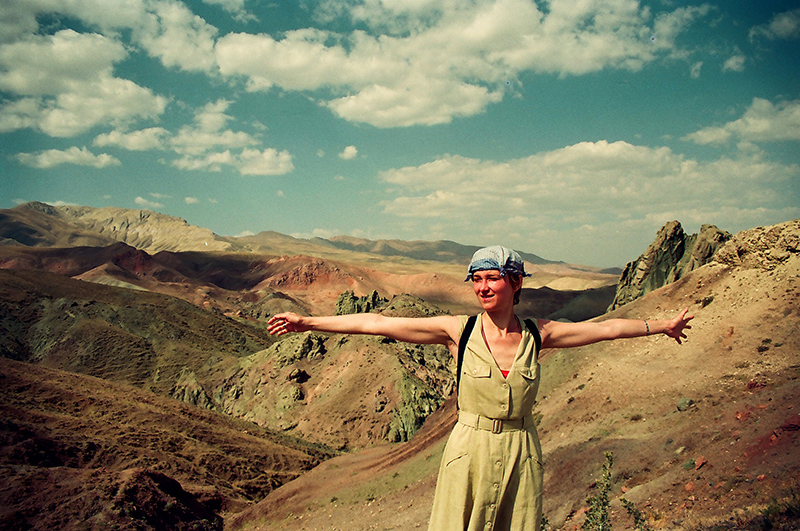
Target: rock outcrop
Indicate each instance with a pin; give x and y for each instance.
(671, 256)
(348, 303)
(762, 247)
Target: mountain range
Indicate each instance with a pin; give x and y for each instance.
(142, 391)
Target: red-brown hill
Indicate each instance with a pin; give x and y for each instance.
(80, 452)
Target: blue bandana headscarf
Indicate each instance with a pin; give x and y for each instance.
(497, 258)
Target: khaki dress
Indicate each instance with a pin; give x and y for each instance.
(491, 472)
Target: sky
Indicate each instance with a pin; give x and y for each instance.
(571, 129)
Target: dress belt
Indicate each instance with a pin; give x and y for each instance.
(494, 425)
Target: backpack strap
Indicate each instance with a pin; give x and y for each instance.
(462, 347)
(534, 330)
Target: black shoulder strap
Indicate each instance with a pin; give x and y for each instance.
(534, 330)
(462, 347)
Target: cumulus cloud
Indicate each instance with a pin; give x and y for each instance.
(235, 8)
(207, 144)
(142, 140)
(448, 59)
(248, 162)
(763, 121)
(695, 70)
(512, 200)
(735, 63)
(64, 85)
(264, 162)
(349, 153)
(191, 200)
(79, 156)
(208, 132)
(783, 26)
(178, 37)
(141, 201)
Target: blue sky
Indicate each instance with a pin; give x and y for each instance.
(569, 129)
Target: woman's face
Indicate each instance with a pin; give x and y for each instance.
(494, 291)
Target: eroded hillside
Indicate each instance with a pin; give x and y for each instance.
(705, 434)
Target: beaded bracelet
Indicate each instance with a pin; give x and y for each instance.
(647, 326)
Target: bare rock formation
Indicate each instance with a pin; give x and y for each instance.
(762, 247)
(671, 256)
(348, 303)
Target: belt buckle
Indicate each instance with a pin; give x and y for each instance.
(497, 426)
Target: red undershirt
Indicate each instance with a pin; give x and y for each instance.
(504, 373)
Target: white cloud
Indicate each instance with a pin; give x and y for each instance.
(142, 140)
(191, 200)
(512, 200)
(141, 201)
(349, 153)
(249, 162)
(734, 63)
(449, 59)
(235, 8)
(208, 132)
(695, 70)
(66, 85)
(179, 38)
(200, 144)
(165, 29)
(265, 162)
(762, 122)
(79, 156)
(783, 26)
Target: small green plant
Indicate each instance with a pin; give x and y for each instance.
(597, 516)
(639, 520)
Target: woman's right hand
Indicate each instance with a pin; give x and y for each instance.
(283, 323)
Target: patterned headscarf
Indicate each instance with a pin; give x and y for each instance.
(496, 258)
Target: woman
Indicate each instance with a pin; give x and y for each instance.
(491, 473)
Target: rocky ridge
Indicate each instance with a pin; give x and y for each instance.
(671, 256)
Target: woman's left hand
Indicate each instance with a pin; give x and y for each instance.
(676, 328)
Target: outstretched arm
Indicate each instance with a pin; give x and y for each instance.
(563, 335)
(441, 330)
